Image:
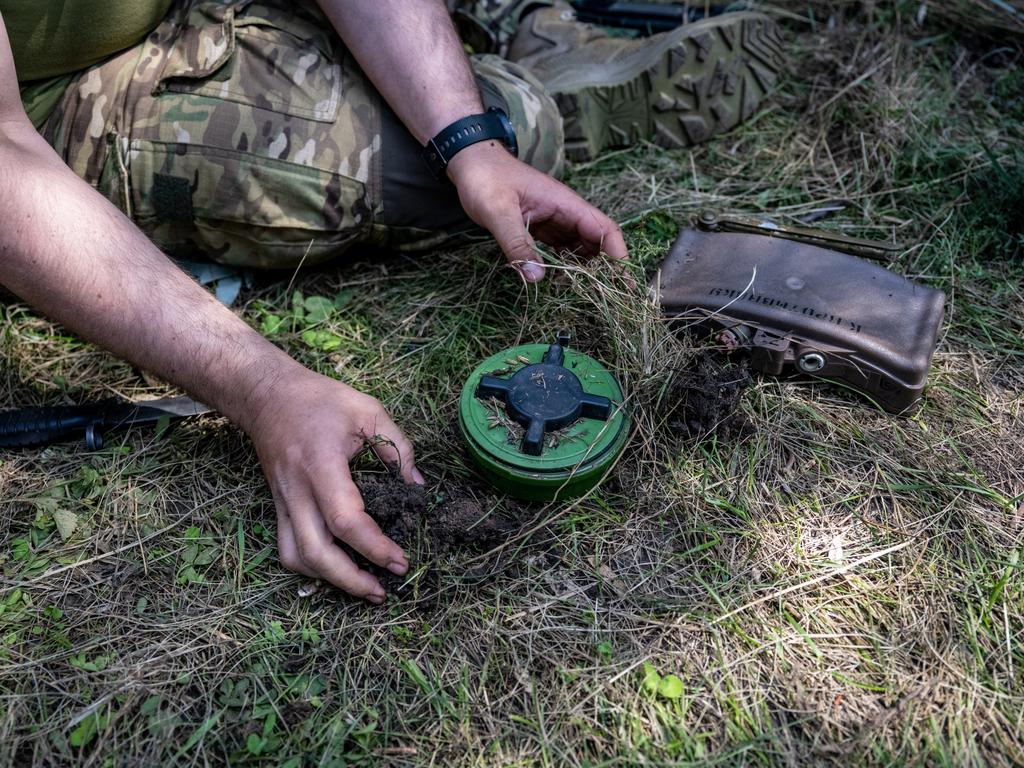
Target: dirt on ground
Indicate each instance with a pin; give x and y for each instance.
(703, 400)
(450, 517)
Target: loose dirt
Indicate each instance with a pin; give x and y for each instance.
(703, 400)
(450, 517)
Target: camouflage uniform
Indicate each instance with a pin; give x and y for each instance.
(488, 26)
(245, 131)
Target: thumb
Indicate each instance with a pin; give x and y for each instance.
(393, 448)
(517, 245)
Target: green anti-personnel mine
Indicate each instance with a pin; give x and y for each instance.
(542, 421)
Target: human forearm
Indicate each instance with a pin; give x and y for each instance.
(411, 52)
(67, 251)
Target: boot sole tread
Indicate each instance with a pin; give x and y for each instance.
(705, 85)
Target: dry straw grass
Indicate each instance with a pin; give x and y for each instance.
(837, 587)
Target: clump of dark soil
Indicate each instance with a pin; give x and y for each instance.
(463, 521)
(398, 508)
(703, 401)
(449, 517)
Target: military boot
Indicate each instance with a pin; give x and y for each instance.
(676, 88)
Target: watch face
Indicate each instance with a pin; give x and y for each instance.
(510, 132)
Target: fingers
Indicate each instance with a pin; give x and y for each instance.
(394, 448)
(596, 232)
(509, 198)
(287, 549)
(608, 234)
(318, 554)
(611, 244)
(576, 224)
(505, 222)
(304, 446)
(341, 506)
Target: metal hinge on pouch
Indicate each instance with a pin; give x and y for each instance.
(855, 246)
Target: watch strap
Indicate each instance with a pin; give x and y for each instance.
(492, 124)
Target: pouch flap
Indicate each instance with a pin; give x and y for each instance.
(299, 21)
(205, 42)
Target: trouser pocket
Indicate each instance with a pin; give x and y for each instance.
(241, 208)
(272, 57)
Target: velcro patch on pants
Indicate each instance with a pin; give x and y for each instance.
(171, 198)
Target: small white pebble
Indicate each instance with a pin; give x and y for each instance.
(835, 552)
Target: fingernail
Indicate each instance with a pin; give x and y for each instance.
(533, 271)
(376, 598)
(417, 477)
(398, 567)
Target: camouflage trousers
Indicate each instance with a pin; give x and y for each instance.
(245, 132)
(488, 26)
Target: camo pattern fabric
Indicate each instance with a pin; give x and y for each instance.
(245, 131)
(488, 26)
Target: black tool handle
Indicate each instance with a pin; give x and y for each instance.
(42, 426)
(643, 17)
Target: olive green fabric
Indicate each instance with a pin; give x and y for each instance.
(41, 96)
(55, 37)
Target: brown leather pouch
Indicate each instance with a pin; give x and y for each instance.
(799, 306)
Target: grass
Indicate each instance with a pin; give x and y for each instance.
(840, 586)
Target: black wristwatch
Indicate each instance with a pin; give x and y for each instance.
(492, 124)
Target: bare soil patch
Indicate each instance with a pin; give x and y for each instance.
(450, 518)
(703, 400)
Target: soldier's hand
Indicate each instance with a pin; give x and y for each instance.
(306, 429)
(517, 203)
